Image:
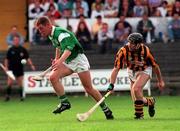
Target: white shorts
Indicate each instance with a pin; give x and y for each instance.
(79, 64)
(133, 75)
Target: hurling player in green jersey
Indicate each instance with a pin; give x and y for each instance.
(69, 58)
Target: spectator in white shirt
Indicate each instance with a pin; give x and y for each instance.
(36, 11)
(105, 36)
(46, 3)
(110, 9)
(163, 8)
(98, 11)
(93, 6)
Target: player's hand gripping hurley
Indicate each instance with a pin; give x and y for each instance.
(8, 72)
(85, 116)
(41, 76)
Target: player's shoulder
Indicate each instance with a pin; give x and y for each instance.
(22, 48)
(10, 49)
(145, 46)
(60, 29)
(123, 49)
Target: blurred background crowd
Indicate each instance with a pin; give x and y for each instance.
(99, 32)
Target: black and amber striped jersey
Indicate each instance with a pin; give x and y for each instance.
(137, 60)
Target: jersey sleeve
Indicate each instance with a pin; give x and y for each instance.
(151, 58)
(67, 41)
(119, 59)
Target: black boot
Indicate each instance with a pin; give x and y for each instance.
(62, 107)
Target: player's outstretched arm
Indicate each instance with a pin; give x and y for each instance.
(160, 83)
(113, 77)
(31, 64)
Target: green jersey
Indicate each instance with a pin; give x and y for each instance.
(65, 40)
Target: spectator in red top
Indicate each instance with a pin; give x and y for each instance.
(53, 13)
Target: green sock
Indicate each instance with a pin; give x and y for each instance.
(63, 99)
(103, 106)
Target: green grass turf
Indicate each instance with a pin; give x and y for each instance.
(35, 114)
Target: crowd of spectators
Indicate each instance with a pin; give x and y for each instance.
(105, 8)
(99, 9)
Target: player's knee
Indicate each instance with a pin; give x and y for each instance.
(53, 78)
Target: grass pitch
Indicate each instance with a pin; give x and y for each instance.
(35, 114)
